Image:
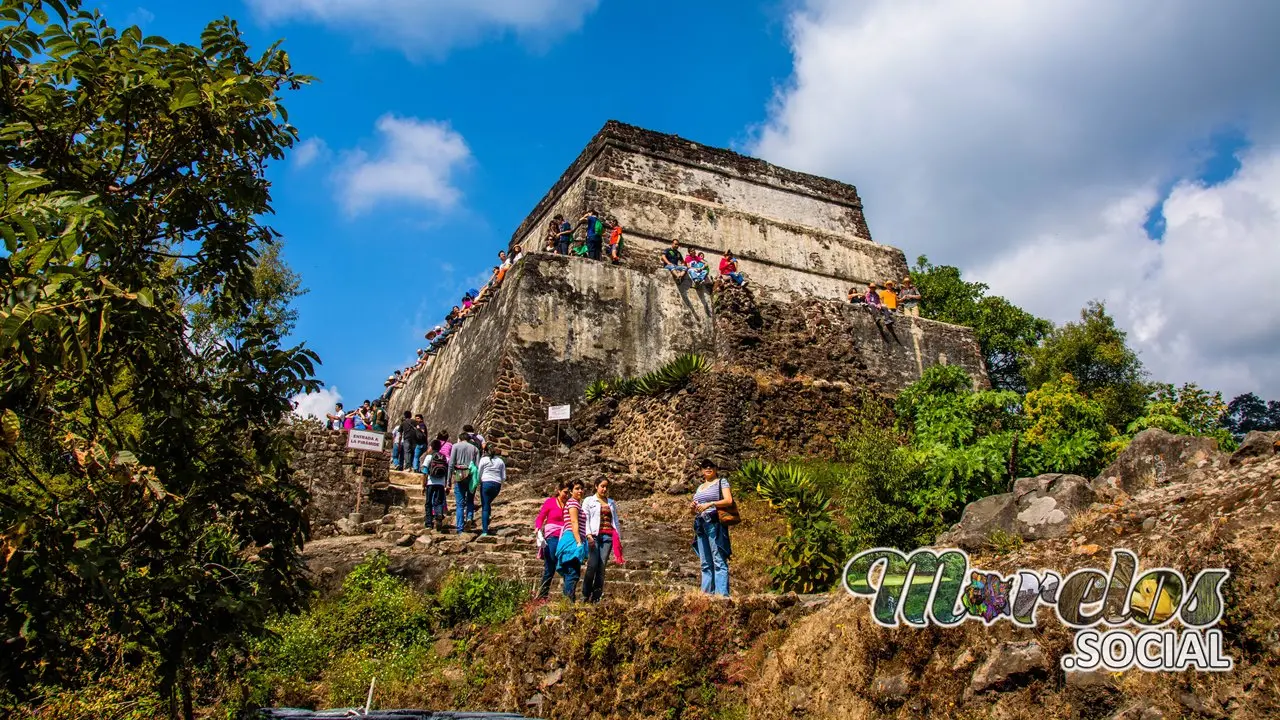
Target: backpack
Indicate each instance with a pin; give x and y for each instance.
(410, 432)
(438, 467)
(599, 228)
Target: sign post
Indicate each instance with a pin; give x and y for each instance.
(558, 414)
(364, 441)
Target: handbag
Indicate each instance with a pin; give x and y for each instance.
(727, 515)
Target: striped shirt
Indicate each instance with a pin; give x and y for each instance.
(582, 518)
(709, 493)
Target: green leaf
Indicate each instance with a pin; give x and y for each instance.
(10, 428)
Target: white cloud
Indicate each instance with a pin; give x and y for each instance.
(415, 163)
(309, 151)
(433, 27)
(1025, 142)
(316, 404)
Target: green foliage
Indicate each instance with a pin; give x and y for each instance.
(673, 375)
(1247, 412)
(376, 626)
(1005, 332)
(149, 502)
(1003, 543)
(1066, 431)
(810, 555)
(1188, 410)
(1094, 352)
(961, 439)
(881, 480)
(480, 597)
(274, 288)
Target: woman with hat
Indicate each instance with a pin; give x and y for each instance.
(710, 536)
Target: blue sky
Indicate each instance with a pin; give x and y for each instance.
(1059, 150)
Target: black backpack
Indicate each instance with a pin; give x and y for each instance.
(410, 432)
(439, 466)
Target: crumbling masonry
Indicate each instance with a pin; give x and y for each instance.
(558, 323)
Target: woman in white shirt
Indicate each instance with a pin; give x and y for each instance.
(604, 537)
(493, 472)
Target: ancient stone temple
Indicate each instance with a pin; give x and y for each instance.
(558, 323)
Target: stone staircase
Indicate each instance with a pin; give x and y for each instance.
(510, 549)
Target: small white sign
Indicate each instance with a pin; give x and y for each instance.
(365, 440)
(558, 412)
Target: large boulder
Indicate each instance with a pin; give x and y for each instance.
(1257, 443)
(1038, 508)
(1155, 458)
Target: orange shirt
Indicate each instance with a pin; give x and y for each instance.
(889, 298)
(615, 236)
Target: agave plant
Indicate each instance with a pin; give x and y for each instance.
(598, 390)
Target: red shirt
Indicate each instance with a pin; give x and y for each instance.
(727, 266)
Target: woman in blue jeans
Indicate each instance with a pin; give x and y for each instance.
(710, 537)
(493, 471)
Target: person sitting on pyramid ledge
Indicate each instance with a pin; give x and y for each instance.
(729, 269)
(876, 306)
(673, 261)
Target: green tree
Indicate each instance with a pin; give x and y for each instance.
(1066, 431)
(148, 520)
(1005, 332)
(962, 440)
(1186, 410)
(1093, 351)
(1248, 412)
(275, 286)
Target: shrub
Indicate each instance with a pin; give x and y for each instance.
(668, 377)
(480, 597)
(810, 555)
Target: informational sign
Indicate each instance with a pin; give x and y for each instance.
(365, 440)
(558, 412)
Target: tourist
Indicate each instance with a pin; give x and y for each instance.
(855, 297)
(910, 298)
(446, 447)
(572, 549)
(604, 538)
(889, 297)
(462, 459)
(547, 528)
(729, 269)
(334, 420)
(673, 261)
(493, 472)
(400, 451)
(698, 270)
(595, 233)
(476, 438)
(517, 253)
(553, 236)
(564, 234)
(437, 476)
(711, 537)
(615, 244)
(417, 441)
(876, 306)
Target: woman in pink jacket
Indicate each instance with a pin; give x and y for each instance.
(550, 523)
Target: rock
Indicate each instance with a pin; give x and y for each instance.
(425, 540)
(890, 687)
(443, 647)
(1090, 679)
(1156, 457)
(1038, 508)
(1256, 444)
(1198, 706)
(551, 678)
(680, 487)
(963, 660)
(1137, 711)
(344, 526)
(1149, 524)
(405, 539)
(534, 700)
(1007, 664)
(454, 675)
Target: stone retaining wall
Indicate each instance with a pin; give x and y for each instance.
(330, 473)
